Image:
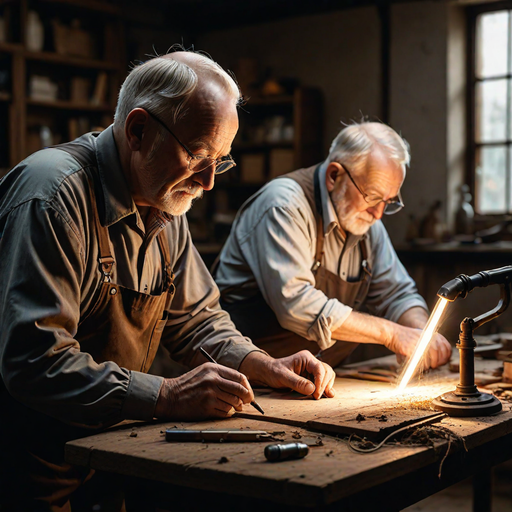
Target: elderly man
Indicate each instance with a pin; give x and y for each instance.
(308, 250)
(98, 268)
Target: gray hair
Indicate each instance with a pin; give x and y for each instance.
(355, 142)
(164, 85)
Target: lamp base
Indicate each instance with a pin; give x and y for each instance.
(476, 404)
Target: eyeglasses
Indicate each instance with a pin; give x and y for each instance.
(393, 205)
(199, 163)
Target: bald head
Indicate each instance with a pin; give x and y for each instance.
(169, 84)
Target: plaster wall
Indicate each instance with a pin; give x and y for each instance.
(339, 52)
(418, 102)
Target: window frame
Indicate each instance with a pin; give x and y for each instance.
(472, 14)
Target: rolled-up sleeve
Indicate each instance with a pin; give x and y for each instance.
(392, 291)
(195, 316)
(41, 270)
(279, 250)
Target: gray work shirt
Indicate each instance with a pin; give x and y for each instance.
(49, 274)
(271, 248)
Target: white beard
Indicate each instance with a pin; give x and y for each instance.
(357, 223)
(179, 201)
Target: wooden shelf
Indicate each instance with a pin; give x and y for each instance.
(261, 146)
(68, 105)
(90, 5)
(270, 100)
(104, 23)
(11, 47)
(69, 60)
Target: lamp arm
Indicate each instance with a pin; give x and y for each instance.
(498, 310)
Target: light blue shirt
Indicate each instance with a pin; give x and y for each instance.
(272, 246)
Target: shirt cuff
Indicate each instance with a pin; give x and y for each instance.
(333, 314)
(400, 307)
(236, 351)
(141, 397)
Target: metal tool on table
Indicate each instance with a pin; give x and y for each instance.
(210, 358)
(278, 452)
(219, 436)
(466, 400)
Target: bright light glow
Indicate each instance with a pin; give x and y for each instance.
(423, 342)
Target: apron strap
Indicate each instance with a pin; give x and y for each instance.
(105, 259)
(86, 156)
(320, 239)
(168, 280)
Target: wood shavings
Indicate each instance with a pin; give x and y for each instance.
(415, 436)
(296, 435)
(133, 434)
(417, 403)
(426, 436)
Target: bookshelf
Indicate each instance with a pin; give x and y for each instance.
(61, 65)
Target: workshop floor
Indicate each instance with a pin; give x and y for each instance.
(459, 497)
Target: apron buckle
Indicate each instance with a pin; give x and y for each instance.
(106, 265)
(366, 268)
(315, 267)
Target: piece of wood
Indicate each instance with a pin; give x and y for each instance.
(379, 409)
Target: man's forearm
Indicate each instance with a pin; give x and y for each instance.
(363, 328)
(415, 317)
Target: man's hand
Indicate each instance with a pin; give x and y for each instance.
(404, 342)
(291, 372)
(208, 391)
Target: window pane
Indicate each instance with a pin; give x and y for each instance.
(509, 208)
(491, 179)
(491, 111)
(492, 44)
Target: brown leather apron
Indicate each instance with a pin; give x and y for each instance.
(123, 326)
(254, 318)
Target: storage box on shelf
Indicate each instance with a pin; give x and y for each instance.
(64, 74)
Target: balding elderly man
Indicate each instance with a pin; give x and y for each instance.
(97, 268)
(308, 250)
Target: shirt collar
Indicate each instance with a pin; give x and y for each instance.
(118, 202)
(328, 212)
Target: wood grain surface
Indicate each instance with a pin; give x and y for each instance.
(331, 472)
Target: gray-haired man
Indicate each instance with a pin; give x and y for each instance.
(98, 268)
(308, 250)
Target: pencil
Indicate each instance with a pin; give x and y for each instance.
(210, 358)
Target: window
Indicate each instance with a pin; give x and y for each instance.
(491, 112)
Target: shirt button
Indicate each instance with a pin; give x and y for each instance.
(113, 291)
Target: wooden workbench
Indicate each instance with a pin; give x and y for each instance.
(331, 475)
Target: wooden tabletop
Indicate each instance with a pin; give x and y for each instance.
(331, 472)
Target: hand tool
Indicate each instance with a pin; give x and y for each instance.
(210, 358)
(275, 452)
(220, 436)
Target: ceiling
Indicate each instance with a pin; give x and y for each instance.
(207, 15)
